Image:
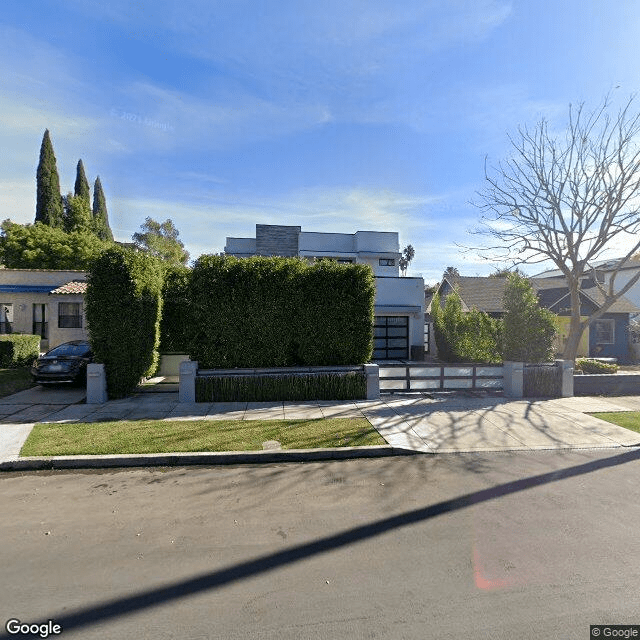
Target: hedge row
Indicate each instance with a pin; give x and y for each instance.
(277, 312)
(123, 306)
(18, 350)
(326, 386)
(226, 313)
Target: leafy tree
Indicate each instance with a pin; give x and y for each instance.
(39, 246)
(408, 253)
(77, 214)
(505, 273)
(529, 330)
(81, 188)
(569, 199)
(48, 199)
(451, 273)
(100, 215)
(465, 337)
(160, 239)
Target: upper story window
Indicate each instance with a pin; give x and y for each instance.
(70, 315)
(387, 262)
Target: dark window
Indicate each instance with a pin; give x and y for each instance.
(70, 315)
(6, 317)
(605, 331)
(387, 262)
(40, 324)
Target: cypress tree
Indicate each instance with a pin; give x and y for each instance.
(82, 184)
(48, 198)
(100, 216)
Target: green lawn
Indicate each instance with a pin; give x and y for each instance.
(626, 419)
(14, 380)
(166, 436)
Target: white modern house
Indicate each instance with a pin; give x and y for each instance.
(43, 302)
(399, 301)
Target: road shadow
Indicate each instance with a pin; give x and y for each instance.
(212, 580)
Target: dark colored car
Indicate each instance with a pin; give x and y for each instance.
(65, 363)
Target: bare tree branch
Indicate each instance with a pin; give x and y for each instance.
(568, 199)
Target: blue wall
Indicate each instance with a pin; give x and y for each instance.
(620, 348)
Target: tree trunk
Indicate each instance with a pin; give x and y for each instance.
(576, 327)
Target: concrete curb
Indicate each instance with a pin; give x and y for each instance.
(201, 458)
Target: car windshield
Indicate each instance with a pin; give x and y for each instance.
(70, 350)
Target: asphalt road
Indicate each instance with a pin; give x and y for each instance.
(511, 545)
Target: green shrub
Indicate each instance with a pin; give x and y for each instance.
(528, 329)
(588, 365)
(465, 336)
(18, 350)
(323, 386)
(175, 322)
(276, 312)
(123, 305)
(540, 381)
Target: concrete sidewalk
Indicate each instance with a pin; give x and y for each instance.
(409, 423)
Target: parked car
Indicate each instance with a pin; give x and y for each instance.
(66, 363)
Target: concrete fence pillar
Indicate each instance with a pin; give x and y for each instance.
(372, 372)
(566, 388)
(96, 384)
(513, 380)
(187, 388)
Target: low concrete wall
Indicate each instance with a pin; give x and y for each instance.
(617, 384)
(189, 370)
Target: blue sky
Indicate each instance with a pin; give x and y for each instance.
(334, 115)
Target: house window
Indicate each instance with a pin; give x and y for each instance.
(387, 262)
(6, 317)
(40, 324)
(604, 330)
(70, 315)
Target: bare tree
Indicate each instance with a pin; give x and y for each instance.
(569, 199)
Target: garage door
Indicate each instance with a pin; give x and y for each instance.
(391, 338)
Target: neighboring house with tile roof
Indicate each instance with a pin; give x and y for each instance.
(608, 336)
(43, 302)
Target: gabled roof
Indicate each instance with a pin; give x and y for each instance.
(75, 286)
(486, 294)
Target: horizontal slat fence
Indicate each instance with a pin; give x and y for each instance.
(403, 377)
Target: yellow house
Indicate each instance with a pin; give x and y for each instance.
(45, 303)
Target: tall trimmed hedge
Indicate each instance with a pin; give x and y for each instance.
(470, 336)
(18, 350)
(123, 305)
(275, 312)
(176, 321)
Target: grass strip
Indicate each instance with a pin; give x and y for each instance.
(167, 436)
(627, 419)
(14, 380)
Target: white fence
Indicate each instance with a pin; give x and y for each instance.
(404, 377)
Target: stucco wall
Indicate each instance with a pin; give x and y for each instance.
(402, 297)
